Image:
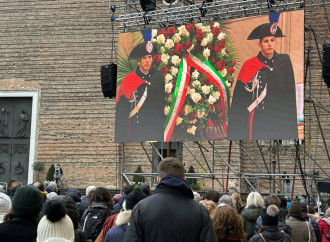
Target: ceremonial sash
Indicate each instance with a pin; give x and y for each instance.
(181, 88)
(140, 103)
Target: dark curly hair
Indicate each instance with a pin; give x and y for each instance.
(102, 195)
(227, 222)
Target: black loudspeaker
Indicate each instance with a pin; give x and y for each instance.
(326, 64)
(324, 186)
(109, 80)
(148, 5)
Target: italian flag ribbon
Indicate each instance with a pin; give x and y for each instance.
(181, 88)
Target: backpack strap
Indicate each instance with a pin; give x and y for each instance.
(263, 238)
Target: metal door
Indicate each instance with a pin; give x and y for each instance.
(15, 128)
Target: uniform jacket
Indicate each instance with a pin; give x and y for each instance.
(148, 123)
(250, 216)
(324, 225)
(275, 117)
(271, 234)
(170, 214)
(299, 230)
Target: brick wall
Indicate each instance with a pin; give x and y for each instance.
(59, 46)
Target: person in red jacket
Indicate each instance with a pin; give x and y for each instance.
(324, 225)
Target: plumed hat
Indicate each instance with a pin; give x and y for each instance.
(264, 30)
(27, 201)
(267, 29)
(145, 48)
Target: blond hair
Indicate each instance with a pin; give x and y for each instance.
(254, 199)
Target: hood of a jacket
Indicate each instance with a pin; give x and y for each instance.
(326, 219)
(252, 213)
(174, 185)
(123, 217)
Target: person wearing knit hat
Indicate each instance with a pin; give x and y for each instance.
(5, 205)
(301, 230)
(56, 223)
(21, 223)
(117, 233)
(116, 198)
(313, 223)
(269, 230)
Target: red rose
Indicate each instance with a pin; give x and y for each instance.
(171, 52)
(230, 70)
(207, 82)
(156, 60)
(211, 22)
(191, 115)
(210, 47)
(215, 31)
(201, 100)
(223, 43)
(218, 48)
(218, 107)
(167, 36)
(190, 27)
(178, 49)
(181, 113)
(160, 31)
(233, 63)
(171, 31)
(199, 34)
(198, 48)
(164, 70)
(210, 107)
(220, 65)
(209, 123)
(187, 45)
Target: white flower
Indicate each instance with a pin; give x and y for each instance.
(161, 39)
(193, 121)
(170, 98)
(200, 114)
(206, 28)
(168, 77)
(216, 24)
(165, 58)
(206, 89)
(176, 38)
(196, 83)
(154, 32)
(206, 53)
(191, 91)
(216, 95)
(187, 109)
(192, 130)
(168, 87)
(228, 84)
(221, 36)
(176, 60)
(196, 97)
(209, 37)
(223, 72)
(166, 110)
(223, 51)
(153, 40)
(204, 42)
(183, 31)
(199, 26)
(211, 99)
(178, 120)
(195, 74)
(162, 50)
(174, 70)
(169, 44)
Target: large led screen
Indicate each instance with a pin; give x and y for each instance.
(239, 79)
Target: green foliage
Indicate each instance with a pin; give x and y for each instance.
(125, 66)
(50, 173)
(192, 181)
(138, 178)
(38, 166)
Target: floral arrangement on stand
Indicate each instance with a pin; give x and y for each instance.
(197, 62)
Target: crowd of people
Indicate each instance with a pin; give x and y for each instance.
(172, 212)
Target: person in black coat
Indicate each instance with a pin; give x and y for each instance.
(264, 99)
(20, 225)
(141, 100)
(171, 213)
(269, 230)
